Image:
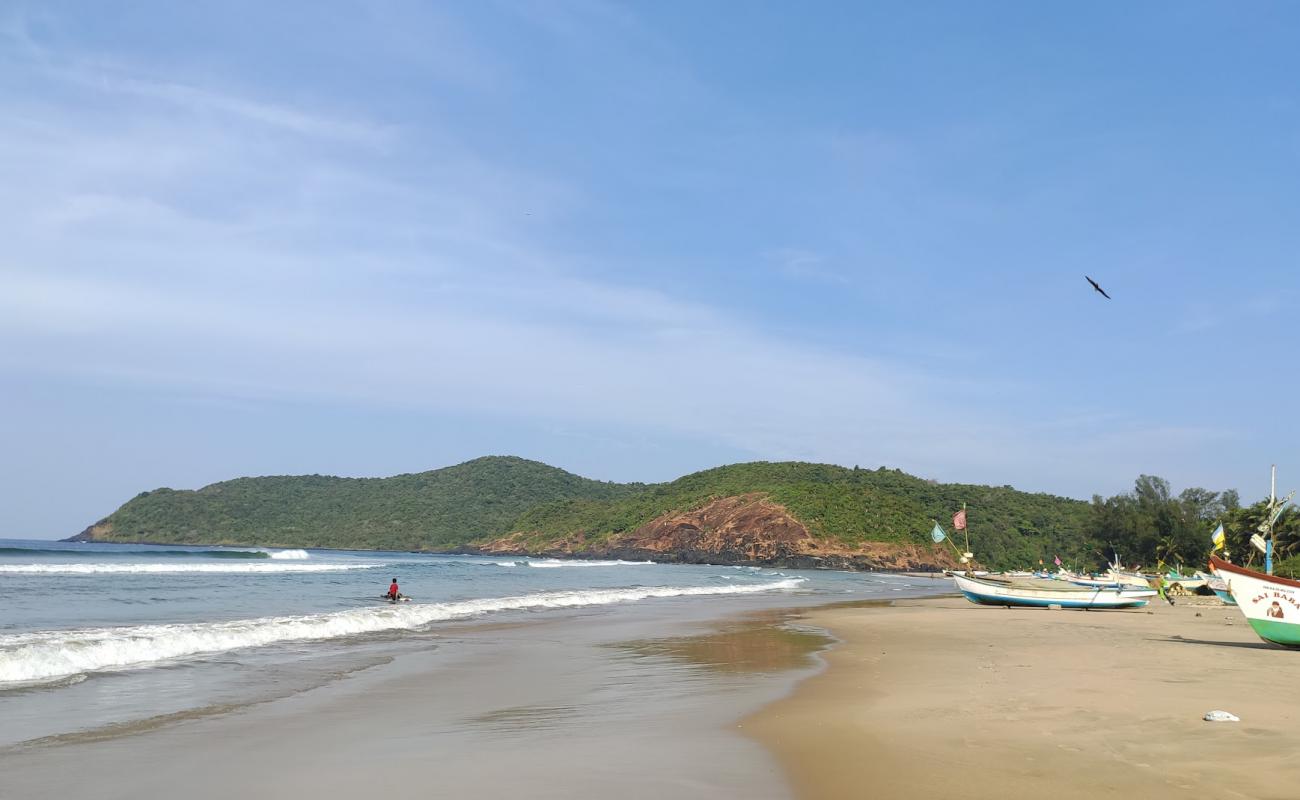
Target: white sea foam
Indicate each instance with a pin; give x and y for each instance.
(557, 562)
(289, 555)
(239, 566)
(51, 655)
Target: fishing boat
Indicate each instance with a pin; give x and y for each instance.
(1270, 604)
(992, 590)
(1112, 580)
(1115, 577)
(1220, 588)
(1185, 584)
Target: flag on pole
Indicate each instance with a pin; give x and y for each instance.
(1217, 538)
(937, 534)
(959, 520)
(1057, 561)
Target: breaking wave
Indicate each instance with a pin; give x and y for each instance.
(37, 551)
(556, 562)
(52, 655)
(174, 568)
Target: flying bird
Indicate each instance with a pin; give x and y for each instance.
(1098, 288)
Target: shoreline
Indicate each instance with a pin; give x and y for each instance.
(639, 702)
(943, 698)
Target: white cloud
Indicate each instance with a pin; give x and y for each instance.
(172, 234)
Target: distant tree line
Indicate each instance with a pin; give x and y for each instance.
(1151, 526)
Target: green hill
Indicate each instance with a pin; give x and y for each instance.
(849, 507)
(439, 509)
(549, 509)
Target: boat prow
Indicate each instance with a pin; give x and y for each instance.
(1270, 604)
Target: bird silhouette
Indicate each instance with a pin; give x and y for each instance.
(1098, 288)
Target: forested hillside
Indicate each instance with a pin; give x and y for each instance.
(860, 516)
(850, 507)
(439, 509)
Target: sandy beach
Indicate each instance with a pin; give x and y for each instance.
(943, 698)
(913, 699)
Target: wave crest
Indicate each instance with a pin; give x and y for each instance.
(558, 562)
(34, 657)
(137, 553)
(149, 569)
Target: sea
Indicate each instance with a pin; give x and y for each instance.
(101, 639)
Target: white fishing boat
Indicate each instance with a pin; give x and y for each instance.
(1113, 579)
(1270, 604)
(1127, 578)
(1115, 576)
(1220, 588)
(1036, 592)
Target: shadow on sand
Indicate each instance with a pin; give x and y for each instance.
(1243, 645)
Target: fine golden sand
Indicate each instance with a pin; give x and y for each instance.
(946, 699)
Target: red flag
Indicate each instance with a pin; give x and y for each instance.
(959, 520)
(1057, 560)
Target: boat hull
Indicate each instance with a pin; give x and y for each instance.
(1270, 604)
(990, 593)
(1220, 588)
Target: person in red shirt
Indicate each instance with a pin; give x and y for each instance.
(393, 594)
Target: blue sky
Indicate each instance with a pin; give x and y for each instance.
(636, 240)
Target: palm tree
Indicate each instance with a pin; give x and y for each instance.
(1167, 550)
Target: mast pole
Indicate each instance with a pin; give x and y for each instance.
(965, 528)
(1268, 542)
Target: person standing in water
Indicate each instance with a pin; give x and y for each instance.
(393, 594)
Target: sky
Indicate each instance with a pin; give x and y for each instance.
(635, 240)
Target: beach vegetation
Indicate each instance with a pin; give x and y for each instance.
(545, 507)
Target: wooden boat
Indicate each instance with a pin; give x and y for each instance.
(1270, 604)
(1035, 592)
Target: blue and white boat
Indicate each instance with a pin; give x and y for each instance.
(993, 590)
(1220, 588)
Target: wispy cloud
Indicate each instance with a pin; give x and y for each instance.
(170, 230)
(804, 265)
(196, 99)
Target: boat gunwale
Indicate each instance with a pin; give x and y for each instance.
(1219, 564)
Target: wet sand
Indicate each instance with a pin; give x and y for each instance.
(943, 698)
(633, 704)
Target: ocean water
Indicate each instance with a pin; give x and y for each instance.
(99, 638)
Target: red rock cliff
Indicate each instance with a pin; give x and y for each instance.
(745, 529)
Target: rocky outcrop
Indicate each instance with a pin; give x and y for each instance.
(99, 530)
(746, 530)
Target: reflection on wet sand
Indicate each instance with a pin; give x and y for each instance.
(770, 642)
